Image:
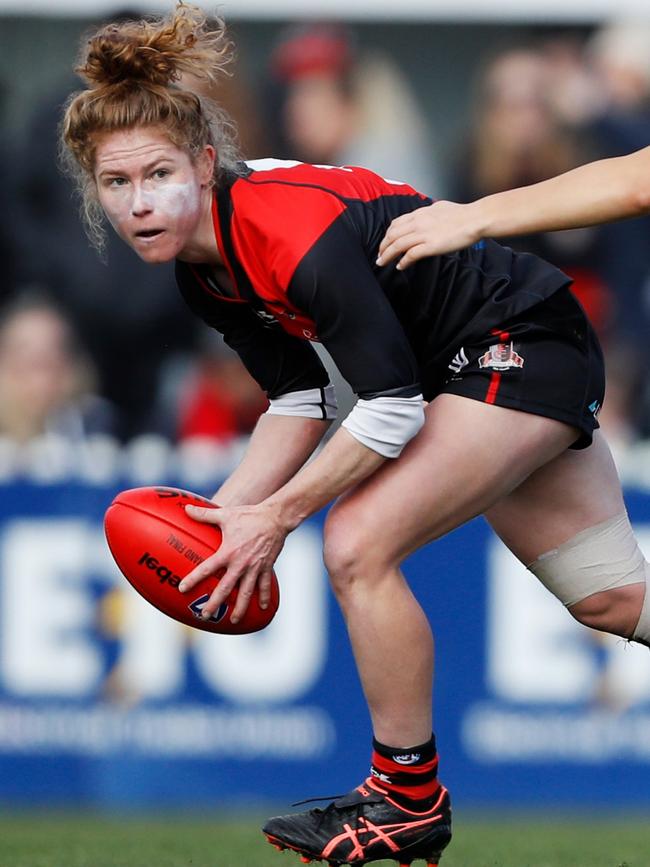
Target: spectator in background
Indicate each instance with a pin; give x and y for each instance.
(520, 135)
(219, 399)
(339, 107)
(516, 138)
(237, 99)
(607, 97)
(46, 382)
(329, 104)
(619, 55)
(7, 219)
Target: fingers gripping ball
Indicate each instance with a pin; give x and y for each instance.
(156, 544)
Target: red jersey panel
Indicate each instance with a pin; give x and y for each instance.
(279, 212)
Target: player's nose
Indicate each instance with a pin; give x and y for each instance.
(140, 203)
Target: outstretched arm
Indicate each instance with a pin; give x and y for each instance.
(598, 192)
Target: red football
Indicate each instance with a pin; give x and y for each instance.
(156, 543)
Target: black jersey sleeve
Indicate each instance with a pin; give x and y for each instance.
(335, 285)
(279, 362)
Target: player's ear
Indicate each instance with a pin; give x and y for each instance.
(205, 165)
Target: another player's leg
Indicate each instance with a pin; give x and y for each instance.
(449, 473)
(567, 522)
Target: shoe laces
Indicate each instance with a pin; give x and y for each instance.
(313, 800)
(351, 811)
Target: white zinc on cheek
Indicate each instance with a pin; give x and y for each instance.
(169, 201)
(117, 208)
(173, 199)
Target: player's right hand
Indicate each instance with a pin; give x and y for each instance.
(253, 537)
(430, 231)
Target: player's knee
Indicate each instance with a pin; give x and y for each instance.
(348, 553)
(344, 559)
(602, 577)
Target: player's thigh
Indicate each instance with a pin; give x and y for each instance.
(576, 490)
(467, 456)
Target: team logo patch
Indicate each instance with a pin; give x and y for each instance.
(196, 608)
(501, 356)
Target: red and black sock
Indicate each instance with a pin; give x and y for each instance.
(409, 775)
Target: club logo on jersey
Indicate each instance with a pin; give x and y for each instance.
(459, 361)
(501, 356)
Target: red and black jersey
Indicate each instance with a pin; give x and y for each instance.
(300, 243)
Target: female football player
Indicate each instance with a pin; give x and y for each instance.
(598, 192)
(478, 381)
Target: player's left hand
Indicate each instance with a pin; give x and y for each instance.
(430, 231)
(253, 537)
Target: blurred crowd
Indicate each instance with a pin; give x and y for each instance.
(90, 347)
(540, 110)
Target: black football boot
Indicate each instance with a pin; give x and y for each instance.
(365, 825)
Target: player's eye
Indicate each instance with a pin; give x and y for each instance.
(117, 182)
(161, 173)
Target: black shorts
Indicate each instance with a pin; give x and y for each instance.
(547, 361)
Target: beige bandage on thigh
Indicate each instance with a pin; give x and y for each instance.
(599, 558)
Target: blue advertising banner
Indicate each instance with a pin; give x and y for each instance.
(106, 702)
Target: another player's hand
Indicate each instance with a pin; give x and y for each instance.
(252, 539)
(439, 228)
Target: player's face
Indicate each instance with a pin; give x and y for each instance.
(155, 197)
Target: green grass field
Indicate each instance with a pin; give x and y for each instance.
(65, 840)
